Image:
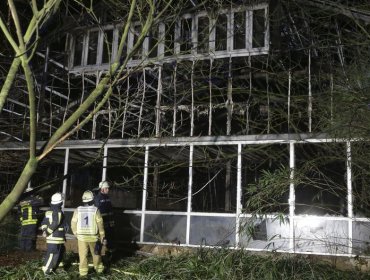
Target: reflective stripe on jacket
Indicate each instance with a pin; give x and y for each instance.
(29, 210)
(54, 226)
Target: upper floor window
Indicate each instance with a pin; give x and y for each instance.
(242, 31)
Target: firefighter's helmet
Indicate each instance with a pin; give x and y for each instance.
(87, 196)
(103, 185)
(57, 198)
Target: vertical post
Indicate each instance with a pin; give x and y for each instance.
(158, 104)
(190, 185)
(105, 161)
(289, 96)
(349, 196)
(145, 192)
(291, 196)
(65, 172)
(174, 101)
(126, 107)
(268, 103)
(238, 196)
(192, 100)
(229, 102)
(210, 97)
(309, 93)
(142, 104)
(331, 97)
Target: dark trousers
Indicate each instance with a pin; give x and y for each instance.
(109, 236)
(53, 257)
(27, 240)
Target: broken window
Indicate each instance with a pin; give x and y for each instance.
(125, 167)
(78, 49)
(214, 179)
(186, 36)
(168, 174)
(239, 30)
(84, 173)
(259, 28)
(49, 174)
(92, 47)
(120, 34)
(221, 32)
(265, 178)
(320, 173)
(136, 31)
(107, 46)
(153, 42)
(12, 164)
(169, 43)
(203, 35)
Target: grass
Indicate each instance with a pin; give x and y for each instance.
(203, 264)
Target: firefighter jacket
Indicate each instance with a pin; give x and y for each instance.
(54, 225)
(87, 224)
(102, 201)
(29, 210)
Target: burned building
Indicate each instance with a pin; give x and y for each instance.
(236, 123)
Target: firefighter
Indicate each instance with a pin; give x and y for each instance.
(54, 229)
(29, 212)
(103, 203)
(87, 225)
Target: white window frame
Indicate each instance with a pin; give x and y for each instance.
(193, 55)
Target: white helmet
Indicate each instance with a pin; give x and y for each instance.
(104, 184)
(87, 196)
(57, 198)
(29, 188)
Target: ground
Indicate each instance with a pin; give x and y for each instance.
(15, 258)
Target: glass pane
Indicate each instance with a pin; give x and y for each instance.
(203, 35)
(165, 229)
(84, 173)
(259, 28)
(212, 231)
(168, 178)
(214, 179)
(93, 48)
(79, 43)
(127, 228)
(239, 30)
(321, 179)
(361, 178)
(268, 234)
(185, 36)
(221, 32)
(320, 236)
(360, 238)
(107, 46)
(125, 167)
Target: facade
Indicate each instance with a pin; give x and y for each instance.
(235, 127)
